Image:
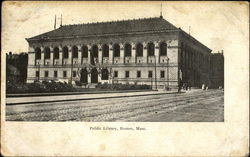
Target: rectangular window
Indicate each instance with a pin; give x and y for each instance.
(162, 74)
(138, 74)
(150, 74)
(74, 73)
(64, 73)
(127, 74)
(115, 73)
(46, 74)
(55, 74)
(37, 73)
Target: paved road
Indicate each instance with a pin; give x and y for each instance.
(195, 106)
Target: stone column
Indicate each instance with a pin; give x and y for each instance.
(89, 75)
(111, 73)
(133, 53)
(111, 54)
(122, 56)
(157, 54)
(89, 50)
(60, 56)
(79, 55)
(31, 56)
(145, 55)
(71, 64)
(42, 56)
(99, 75)
(51, 56)
(70, 54)
(99, 54)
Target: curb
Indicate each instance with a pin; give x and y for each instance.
(39, 102)
(69, 93)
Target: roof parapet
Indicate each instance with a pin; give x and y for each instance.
(113, 21)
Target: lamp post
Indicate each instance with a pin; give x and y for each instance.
(155, 74)
(111, 76)
(167, 73)
(38, 71)
(71, 68)
(151, 83)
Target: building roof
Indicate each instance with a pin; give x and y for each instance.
(112, 27)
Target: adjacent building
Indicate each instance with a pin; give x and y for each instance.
(141, 51)
(217, 70)
(16, 67)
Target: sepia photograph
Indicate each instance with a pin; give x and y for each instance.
(118, 77)
(141, 68)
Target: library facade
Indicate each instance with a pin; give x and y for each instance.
(148, 51)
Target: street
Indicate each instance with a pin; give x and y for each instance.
(192, 106)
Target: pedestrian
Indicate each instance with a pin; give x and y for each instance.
(190, 87)
(206, 87)
(203, 86)
(187, 85)
(180, 86)
(184, 86)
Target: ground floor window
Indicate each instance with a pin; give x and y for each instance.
(150, 74)
(55, 74)
(127, 74)
(115, 73)
(46, 74)
(138, 74)
(105, 74)
(162, 74)
(64, 73)
(74, 73)
(37, 73)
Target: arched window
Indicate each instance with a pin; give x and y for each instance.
(38, 53)
(151, 49)
(128, 50)
(105, 74)
(56, 53)
(95, 51)
(65, 52)
(139, 49)
(84, 52)
(105, 50)
(163, 49)
(47, 53)
(74, 52)
(116, 49)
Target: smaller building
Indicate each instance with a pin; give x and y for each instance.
(217, 70)
(16, 67)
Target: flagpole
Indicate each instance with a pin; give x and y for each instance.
(55, 23)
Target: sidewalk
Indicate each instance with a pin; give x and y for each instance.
(77, 97)
(72, 93)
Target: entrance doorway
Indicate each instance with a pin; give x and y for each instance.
(94, 75)
(105, 74)
(84, 76)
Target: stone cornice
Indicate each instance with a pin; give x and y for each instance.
(107, 65)
(101, 35)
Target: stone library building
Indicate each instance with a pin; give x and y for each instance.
(148, 51)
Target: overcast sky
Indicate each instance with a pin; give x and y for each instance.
(218, 25)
